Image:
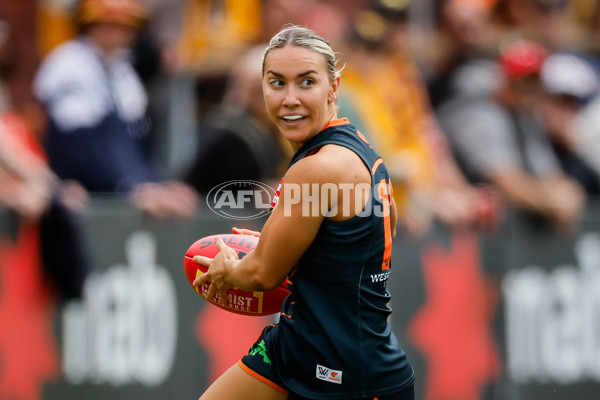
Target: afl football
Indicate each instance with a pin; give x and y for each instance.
(239, 301)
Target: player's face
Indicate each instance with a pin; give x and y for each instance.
(299, 96)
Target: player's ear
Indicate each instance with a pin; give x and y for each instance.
(333, 91)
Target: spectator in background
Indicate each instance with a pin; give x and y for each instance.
(586, 123)
(384, 95)
(570, 83)
(96, 107)
(238, 141)
(32, 190)
(467, 41)
(548, 22)
(28, 187)
(213, 32)
(24, 180)
(499, 139)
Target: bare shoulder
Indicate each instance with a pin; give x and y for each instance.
(332, 163)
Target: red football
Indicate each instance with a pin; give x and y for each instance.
(240, 301)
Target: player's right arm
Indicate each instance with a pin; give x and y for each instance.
(291, 227)
(284, 238)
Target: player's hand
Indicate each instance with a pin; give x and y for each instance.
(218, 271)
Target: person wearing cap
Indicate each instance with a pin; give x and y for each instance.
(498, 139)
(96, 107)
(570, 83)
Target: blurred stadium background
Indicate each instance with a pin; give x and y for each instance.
(501, 305)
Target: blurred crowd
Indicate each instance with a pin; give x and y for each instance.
(475, 105)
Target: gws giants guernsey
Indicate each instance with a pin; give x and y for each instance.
(333, 339)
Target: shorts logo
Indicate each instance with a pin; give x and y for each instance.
(329, 375)
(260, 349)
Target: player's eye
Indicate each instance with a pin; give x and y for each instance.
(276, 83)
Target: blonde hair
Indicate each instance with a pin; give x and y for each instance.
(294, 35)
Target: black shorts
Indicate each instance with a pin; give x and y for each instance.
(258, 364)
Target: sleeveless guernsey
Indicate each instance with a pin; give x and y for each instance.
(333, 339)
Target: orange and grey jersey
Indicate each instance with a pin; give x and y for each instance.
(333, 339)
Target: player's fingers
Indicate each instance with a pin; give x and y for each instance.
(220, 244)
(223, 295)
(199, 281)
(212, 290)
(240, 231)
(202, 260)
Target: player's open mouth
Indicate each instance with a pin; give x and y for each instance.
(292, 118)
